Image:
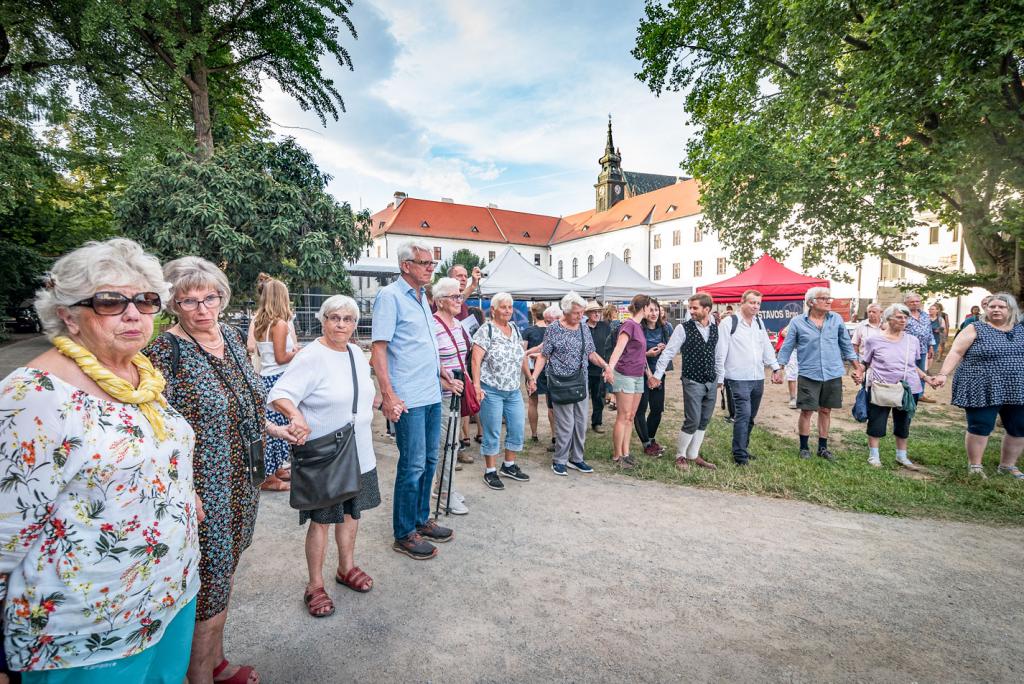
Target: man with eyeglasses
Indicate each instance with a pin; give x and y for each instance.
(822, 345)
(920, 326)
(408, 369)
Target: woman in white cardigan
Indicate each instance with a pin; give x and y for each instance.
(315, 394)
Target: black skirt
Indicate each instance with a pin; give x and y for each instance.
(367, 498)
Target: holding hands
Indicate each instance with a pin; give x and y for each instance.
(777, 377)
(609, 374)
(936, 381)
(393, 407)
(653, 382)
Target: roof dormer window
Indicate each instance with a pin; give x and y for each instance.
(526, 233)
(671, 208)
(626, 217)
(585, 227)
(424, 225)
(474, 229)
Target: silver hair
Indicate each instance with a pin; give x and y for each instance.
(554, 312)
(874, 304)
(813, 294)
(911, 294)
(501, 298)
(407, 250)
(1010, 302)
(894, 309)
(445, 287)
(191, 273)
(572, 299)
(78, 274)
(337, 303)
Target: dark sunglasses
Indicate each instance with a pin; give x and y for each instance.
(115, 303)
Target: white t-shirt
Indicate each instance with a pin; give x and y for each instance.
(319, 382)
(268, 362)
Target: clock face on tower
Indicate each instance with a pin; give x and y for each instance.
(618, 189)
(600, 191)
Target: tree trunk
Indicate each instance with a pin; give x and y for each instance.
(199, 73)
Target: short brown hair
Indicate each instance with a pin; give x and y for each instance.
(750, 293)
(537, 310)
(639, 303)
(702, 298)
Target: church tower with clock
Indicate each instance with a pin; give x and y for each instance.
(611, 184)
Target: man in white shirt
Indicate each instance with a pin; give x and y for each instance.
(869, 327)
(741, 355)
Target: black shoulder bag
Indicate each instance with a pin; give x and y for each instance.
(325, 471)
(250, 427)
(569, 389)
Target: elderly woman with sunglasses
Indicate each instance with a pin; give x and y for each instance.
(211, 382)
(98, 512)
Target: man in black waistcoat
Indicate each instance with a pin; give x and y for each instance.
(698, 338)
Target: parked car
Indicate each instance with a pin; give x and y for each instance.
(26, 319)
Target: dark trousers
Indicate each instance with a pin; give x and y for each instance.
(746, 396)
(727, 401)
(648, 413)
(595, 387)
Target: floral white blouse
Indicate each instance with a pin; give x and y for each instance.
(98, 537)
(503, 356)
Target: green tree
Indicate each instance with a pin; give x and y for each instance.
(252, 207)
(461, 256)
(833, 124)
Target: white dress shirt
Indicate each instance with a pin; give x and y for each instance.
(744, 355)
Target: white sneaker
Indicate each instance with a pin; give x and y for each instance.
(457, 507)
(875, 463)
(792, 402)
(455, 496)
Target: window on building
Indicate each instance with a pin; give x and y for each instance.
(490, 256)
(575, 267)
(590, 263)
(437, 254)
(698, 234)
(550, 259)
(657, 242)
(956, 233)
(561, 273)
(626, 255)
(676, 238)
(698, 268)
(721, 266)
(378, 251)
(657, 272)
(892, 272)
(675, 270)
(933, 234)
(536, 259)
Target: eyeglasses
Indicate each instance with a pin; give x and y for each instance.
(825, 299)
(454, 297)
(190, 304)
(425, 263)
(115, 303)
(335, 319)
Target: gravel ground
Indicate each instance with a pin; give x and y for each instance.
(604, 578)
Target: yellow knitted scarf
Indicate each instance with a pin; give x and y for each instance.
(148, 394)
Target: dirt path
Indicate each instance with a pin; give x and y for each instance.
(605, 578)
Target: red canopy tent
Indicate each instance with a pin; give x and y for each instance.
(776, 282)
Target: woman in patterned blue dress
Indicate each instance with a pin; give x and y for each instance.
(990, 382)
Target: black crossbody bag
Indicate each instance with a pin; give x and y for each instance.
(569, 389)
(325, 471)
(250, 428)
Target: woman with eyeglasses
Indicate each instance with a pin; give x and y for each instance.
(98, 511)
(211, 382)
(316, 394)
(990, 382)
(277, 345)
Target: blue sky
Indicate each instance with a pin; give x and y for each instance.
(502, 101)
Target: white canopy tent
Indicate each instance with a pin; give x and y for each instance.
(614, 280)
(511, 273)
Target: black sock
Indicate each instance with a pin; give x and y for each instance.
(804, 441)
(822, 443)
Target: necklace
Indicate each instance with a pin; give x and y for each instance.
(212, 347)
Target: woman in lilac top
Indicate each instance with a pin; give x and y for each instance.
(629, 359)
(891, 356)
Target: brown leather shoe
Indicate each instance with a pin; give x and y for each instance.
(273, 484)
(927, 400)
(704, 464)
(465, 458)
(682, 463)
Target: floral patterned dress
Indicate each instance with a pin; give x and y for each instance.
(98, 536)
(212, 409)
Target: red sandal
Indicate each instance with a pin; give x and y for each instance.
(318, 603)
(241, 675)
(356, 580)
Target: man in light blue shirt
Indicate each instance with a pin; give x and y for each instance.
(405, 360)
(821, 344)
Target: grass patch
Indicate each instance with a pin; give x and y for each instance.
(850, 483)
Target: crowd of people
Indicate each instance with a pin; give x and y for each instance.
(131, 465)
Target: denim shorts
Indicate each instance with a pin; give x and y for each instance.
(630, 384)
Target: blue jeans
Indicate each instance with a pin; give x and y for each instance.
(498, 403)
(746, 395)
(417, 433)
